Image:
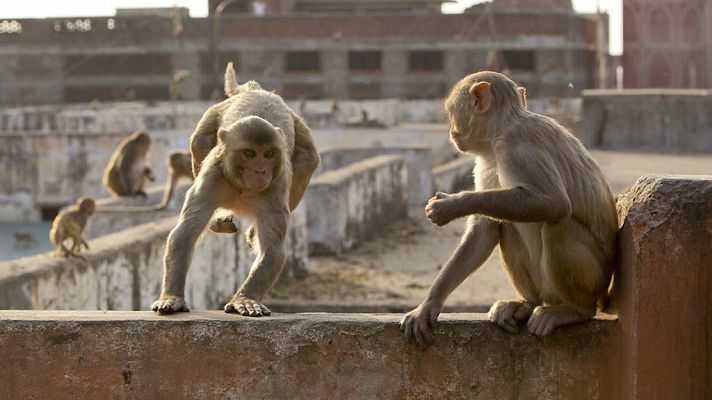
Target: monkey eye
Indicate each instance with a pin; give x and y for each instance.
(269, 153)
(249, 153)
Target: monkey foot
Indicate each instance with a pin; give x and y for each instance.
(507, 314)
(170, 305)
(545, 319)
(246, 307)
(223, 225)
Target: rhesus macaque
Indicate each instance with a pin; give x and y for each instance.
(253, 156)
(70, 224)
(539, 195)
(126, 172)
(179, 165)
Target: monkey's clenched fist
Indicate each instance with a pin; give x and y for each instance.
(442, 208)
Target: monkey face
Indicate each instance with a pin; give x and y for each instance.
(257, 165)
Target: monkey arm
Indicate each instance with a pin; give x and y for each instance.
(476, 245)
(204, 137)
(517, 204)
(168, 191)
(305, 160)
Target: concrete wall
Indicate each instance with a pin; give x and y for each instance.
(662, 287)
(454, 176)
(123, 270)
(658, 348)
(347, 205)
(653, 119)
(53, 169)
(418, 161)
(298, 356)
(117, 213)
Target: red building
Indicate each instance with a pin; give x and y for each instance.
(667, 43)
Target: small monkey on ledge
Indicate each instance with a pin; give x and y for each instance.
(539, 195)
(179, 166)
(253, 156)
(70, 224)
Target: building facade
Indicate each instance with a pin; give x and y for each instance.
(667, 43)
(300, 48)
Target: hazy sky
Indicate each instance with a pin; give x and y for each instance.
(199, 8)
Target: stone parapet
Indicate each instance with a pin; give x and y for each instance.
(347, 205)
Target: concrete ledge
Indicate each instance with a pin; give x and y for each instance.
(301, 356)
(454, 176)
(418, 160)
(106, 221)
(347, 205)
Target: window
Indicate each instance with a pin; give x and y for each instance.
(365, 60)
(518, 60)
(425, 60)
(364, 90)
(118, 64)
(306, 90)
(303, 61)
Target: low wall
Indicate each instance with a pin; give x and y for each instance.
(657, 349)
(347, 205)
(52, 169)
(302, 356)
(132, 211)
(123, 270)
(648, 119)
(454, 176)
(418, 160)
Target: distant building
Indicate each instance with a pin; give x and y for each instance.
(346, 49)
(667, 43)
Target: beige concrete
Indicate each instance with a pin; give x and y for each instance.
(98, 355)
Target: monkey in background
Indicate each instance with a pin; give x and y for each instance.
(253, 156)
(179, 166)
(127, 171)
(70, 224)
(539, 195)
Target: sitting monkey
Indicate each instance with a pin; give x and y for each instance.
(70, 224)
(252, 155)
(539, 195)
(126, 172)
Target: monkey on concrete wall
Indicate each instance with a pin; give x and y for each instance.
(127, 171)
(70, 224)
(179, 166)
(539, 195)
(252, 155)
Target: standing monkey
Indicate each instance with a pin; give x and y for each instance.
(254, 157)
(126, 172)
(179, 165)
(539, 195)
(70, 224)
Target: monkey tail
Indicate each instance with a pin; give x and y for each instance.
(231, 86)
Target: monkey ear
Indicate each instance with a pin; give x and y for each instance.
(480, 96)
(222, 135)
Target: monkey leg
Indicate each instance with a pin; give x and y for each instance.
(271, 232)
(575, 277)
(201, 201)
(515, 261)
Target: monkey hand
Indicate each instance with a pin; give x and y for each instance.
(169, 304)
(442, 208)
(418, 323)
(507, 314)
(247, 307)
